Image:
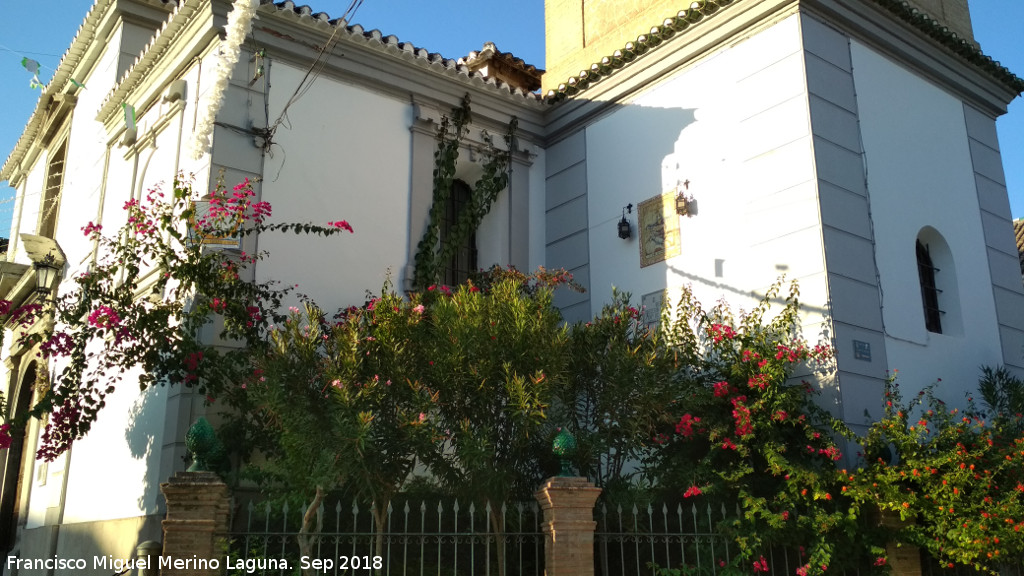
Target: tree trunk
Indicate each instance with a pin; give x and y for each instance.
(380, 516)
(498, 528)
(312, 524)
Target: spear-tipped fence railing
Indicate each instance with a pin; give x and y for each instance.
(640, 539)
(417, 538)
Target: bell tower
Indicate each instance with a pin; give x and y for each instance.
(953, 14)
(579, 33)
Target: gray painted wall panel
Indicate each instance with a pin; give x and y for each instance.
(845, 334)
(850, 255)
(570, 252)
(566, 185)
(564, 297)
(565, 153)
(848, 238)
(567, 219)
(827, 81)
(826, 42)
(1005, 270)
(987, 162)
(1009, 306)
(576, 313)
(839, 166)
(854, 303)
(1013, 347)
(981, 127)
(844, 210)
(835, 124)
(861, 394)
(992, 196)
(999, 233)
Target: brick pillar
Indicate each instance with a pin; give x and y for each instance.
(904, 559)
(568, 505)
(196, 527)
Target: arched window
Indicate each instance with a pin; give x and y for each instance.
(940, 293)
(926, 272)
(463, 260)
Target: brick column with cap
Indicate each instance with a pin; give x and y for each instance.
(196, 527)
(568, 505)
(904, 559)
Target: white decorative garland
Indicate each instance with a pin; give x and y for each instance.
(237, 28)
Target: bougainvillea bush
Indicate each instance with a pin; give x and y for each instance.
(745, 430)
(155, 284)
(955, 476)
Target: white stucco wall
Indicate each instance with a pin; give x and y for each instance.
(344, 155)
(920, 174)
(736, 127)
(110, 458)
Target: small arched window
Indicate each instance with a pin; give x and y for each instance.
(927, 273)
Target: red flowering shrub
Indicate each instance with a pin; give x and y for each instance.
(746, 431)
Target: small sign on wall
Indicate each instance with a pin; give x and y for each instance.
(651, 305)
(659, 229)
(862, 350)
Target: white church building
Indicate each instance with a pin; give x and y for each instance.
(848, 144)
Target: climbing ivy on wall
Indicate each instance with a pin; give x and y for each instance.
(432, 254)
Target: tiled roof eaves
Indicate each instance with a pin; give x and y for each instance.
(149, 56)
(84, 37)
(701, 9)
(961, 46)
(391, 45)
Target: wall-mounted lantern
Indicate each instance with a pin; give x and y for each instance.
(685, 203)
(46, 272)
(624, 229)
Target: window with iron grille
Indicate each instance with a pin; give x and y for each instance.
(463, 260)
(926, 272)
(51, 194)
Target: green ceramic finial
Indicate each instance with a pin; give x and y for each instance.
(564, 446)
(202, 443)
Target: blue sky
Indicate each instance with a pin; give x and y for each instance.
(43, 29)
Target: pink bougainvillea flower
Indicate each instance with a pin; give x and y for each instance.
(192, 360)
(341, 225)
(5, 436)
(104, 317)
(692, 491)
(761, 565)
(90, 229)
(721, 332)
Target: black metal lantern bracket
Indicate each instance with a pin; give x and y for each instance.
(625, 231)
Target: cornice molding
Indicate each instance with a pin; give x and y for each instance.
(79, 59)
